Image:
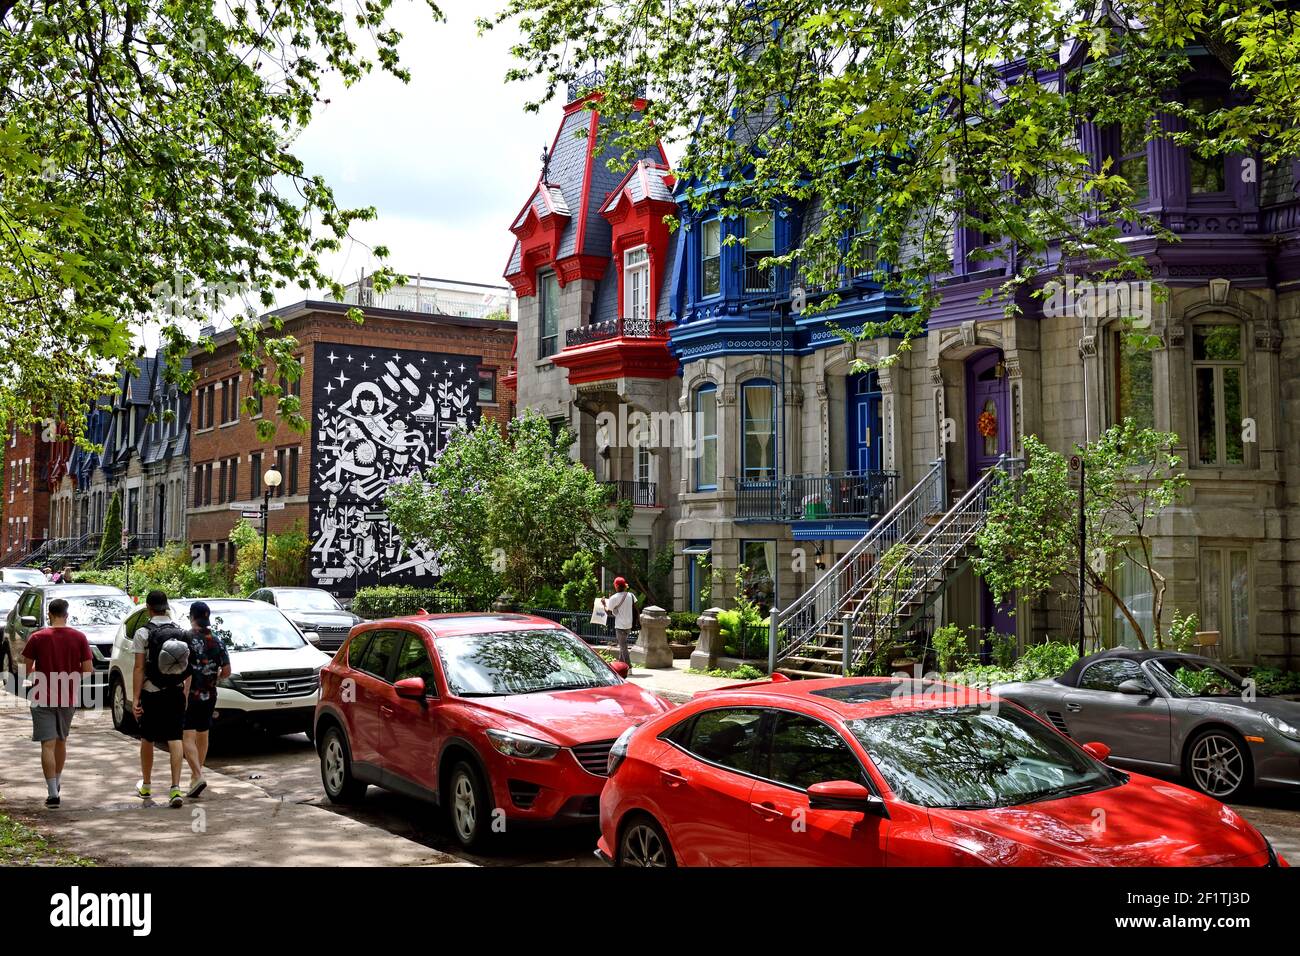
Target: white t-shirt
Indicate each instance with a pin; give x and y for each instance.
(140, 643)
(620, 604)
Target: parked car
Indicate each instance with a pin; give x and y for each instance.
(274, 680)
(27, 577)
(314, 611)
(9, 594)
(1213, 731)
(94, 609)
(478, 713)
(888, 772)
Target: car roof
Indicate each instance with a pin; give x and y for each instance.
(1071, 677)
(280, 590)
(76, 590)
(851, 697)
(477, 622)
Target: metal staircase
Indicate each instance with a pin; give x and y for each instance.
(881, 591)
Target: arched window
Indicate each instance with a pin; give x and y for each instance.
(1219, 380)
(706, 438)
(758, 425)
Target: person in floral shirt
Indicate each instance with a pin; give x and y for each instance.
(209, 663)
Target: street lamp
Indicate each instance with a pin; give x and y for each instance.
(271, 481)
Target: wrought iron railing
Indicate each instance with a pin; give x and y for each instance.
(811, 497)
(825, 603)
(633, 327)
(642, 494)
(759, 279)
(579, 622)
(899, 592)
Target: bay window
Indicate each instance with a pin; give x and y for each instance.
(760, 244)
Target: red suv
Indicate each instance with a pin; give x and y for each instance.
(489, 715)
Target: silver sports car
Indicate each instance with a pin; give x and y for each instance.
(1170, 712)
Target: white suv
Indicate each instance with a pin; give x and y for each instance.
(274, 677)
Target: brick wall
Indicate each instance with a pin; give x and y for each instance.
(25, 514)
(311, 323)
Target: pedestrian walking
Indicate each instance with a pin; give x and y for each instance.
(620, 604)
(161, 682)
(209, 663)
(56, 658)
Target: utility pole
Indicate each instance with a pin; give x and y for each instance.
(1079, 464)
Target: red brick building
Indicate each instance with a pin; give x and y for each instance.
(25, 514)
(381, 399)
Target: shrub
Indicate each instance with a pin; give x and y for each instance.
(982, 675)
(1049, 659)
(1271, 681)
(676, 636)
(951, 647)
(1182, 632)
(397, 601)
(286, 557)
(581, 587)
(684, 621)
(169, 569)
(111, 539)
(1003, 648)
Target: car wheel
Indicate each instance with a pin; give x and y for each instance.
(469, 806)
(1217, 764)
(123, 718)
(644, 844)
(336, 770)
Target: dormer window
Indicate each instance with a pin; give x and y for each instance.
(636, 283)
(760, 244)
(711, 257)
(1207, 174)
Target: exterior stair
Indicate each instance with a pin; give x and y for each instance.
(881, 590)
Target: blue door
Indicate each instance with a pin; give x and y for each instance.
(866, 443)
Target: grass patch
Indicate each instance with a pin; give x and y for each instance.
(20, 845)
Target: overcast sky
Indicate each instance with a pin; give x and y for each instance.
(446, 160)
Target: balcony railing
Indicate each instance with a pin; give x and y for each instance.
(635, 327)
(642, 494)
(817, 497)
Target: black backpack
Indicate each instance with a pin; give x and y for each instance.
(160, 634)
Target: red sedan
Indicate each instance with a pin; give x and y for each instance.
(886, 772)
(498, 717)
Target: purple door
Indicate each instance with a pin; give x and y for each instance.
(988, 430)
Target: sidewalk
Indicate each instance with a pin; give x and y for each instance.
(677, 685)
(233, 823)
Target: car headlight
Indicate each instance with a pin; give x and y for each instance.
(618, 751)
(517, 745)
(1281, 726)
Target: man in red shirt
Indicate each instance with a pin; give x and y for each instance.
(56, 657)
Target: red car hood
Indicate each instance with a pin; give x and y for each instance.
(1145, 822)
(578, 716)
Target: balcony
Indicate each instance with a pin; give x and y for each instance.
(835, 496)
(642, 494)
(635, 347)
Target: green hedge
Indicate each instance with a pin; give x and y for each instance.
(684, 621)
(375, 603)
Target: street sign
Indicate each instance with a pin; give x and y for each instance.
(276, 506)
(251, 514)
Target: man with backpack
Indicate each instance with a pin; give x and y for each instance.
(209, 663)
(161, 682)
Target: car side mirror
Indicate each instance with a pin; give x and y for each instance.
(1136, 687)
(1097, 749)
(312, 637)
(27, 621)
(620, 668)
(410, 688)
(847, 795)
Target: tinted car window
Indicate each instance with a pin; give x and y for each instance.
(414, 662)
(31, 605)
(382, 647)
(357, 649)
(727, 737)
(805, 751)
(1108, 675)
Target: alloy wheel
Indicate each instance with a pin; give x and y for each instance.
(119, 704)
(464, 807)
(334, 765)
(644, 847)
(1217, 765)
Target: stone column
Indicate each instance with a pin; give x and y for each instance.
(709, 647)
(651, 649)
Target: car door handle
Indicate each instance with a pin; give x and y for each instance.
(673, 778)
(767, 811)
(1074, 708)
(385, 710)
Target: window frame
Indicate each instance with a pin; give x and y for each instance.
(639, 269)
(707, 439)
(748, 472)
(1231, 645)
(1218, 379)
(755, 255)
(548, 294)
(706, 226)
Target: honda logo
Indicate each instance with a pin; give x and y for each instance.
(282, 686)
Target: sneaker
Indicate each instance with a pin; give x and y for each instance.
(174, 799)
(51, 801)
(197, 788)
(142, 789)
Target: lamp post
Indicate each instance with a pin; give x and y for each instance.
(270, 481)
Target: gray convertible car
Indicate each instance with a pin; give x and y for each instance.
(1168, 712)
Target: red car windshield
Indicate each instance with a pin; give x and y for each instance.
(977, 757)
(520, 662)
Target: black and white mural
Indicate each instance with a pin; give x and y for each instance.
(379, 414)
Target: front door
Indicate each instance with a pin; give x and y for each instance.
(865, 444)
(988, 426)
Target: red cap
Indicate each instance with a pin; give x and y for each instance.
(620, 582)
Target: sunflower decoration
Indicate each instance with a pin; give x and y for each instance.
(987, 424)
